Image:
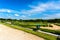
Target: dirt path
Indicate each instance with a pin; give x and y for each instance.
(7, 33)
(55, 27)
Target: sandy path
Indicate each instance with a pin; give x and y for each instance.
(7, 33)
(55, 27)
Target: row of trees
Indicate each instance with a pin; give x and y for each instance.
(36, 20)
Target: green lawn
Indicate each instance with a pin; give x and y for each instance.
(51, 31)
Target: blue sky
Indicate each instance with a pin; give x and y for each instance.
(30, 9)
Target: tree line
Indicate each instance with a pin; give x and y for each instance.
(33, 20)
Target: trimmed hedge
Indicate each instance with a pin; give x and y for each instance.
(51, 31)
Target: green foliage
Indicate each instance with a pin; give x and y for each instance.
(50, 26)
(51, 31)
(58, 24)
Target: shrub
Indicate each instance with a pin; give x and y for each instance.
(51, 31)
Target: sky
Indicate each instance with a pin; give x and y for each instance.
(30, 9)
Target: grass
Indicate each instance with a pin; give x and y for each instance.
(51, 31)
(45, 36)
(30, 24)
(58, 24)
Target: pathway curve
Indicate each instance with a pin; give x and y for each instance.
(55, 27)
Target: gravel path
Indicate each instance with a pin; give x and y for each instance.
(7, 33)
(55, 27)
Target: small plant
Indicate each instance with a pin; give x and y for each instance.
(50, 26)
(34, 29)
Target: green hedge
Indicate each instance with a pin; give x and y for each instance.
(58, 24)
(51, 31)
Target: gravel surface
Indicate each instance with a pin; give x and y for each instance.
(7, 33)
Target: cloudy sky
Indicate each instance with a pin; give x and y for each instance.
(30, 9)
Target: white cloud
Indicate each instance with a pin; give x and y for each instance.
(42, 7)
(9, 11)
(5, 10)
(16, 14)
(51, 16)
(35, 9)
(23, 17)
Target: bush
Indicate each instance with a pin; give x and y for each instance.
(50, 26)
